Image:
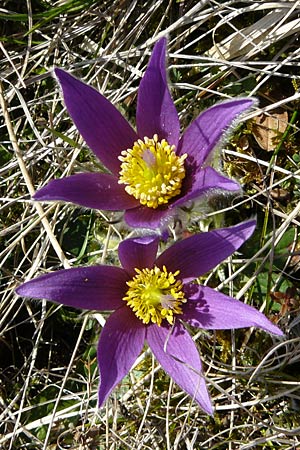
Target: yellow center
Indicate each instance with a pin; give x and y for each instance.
(151, 171)
(154, 295)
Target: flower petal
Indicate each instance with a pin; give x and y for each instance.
(203, 181)
(92, 190)
(138, 252)
(97, 287)
(121, 341)
(148, 218)
(176, 352)
(156, 112)
(201, 137)
(198, 254)
(101, 125)
(209, 309)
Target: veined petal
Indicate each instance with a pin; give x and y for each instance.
(101, 125)
(138, 252)
(202, 181)
(97, 287)
(209, 309)
(196, 255)
(149, 218)
(176, 352)
(201, 137)
(156, 112)
(92, 190)
(121, 341)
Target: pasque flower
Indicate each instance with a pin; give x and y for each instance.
(153, 170)
(152, 298)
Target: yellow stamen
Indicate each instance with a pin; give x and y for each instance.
(151, 171)
(154, 295)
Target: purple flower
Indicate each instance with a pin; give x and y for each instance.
(153, 170)
(152, 297)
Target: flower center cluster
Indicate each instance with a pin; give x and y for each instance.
(151, 171)
(154, 295)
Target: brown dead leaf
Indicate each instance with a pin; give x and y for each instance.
(267, 129)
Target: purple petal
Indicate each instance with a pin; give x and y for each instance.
(149, 218)
(102, 126)
(138, 252)
(121, 341)
(97, 287)
(92, 190)
(205, 132)
(177, 354)
(201, 182)
(200, 253)
(156, 112)
(209, 309)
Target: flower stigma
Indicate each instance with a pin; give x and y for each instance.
(151, 171)
(154, 295)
